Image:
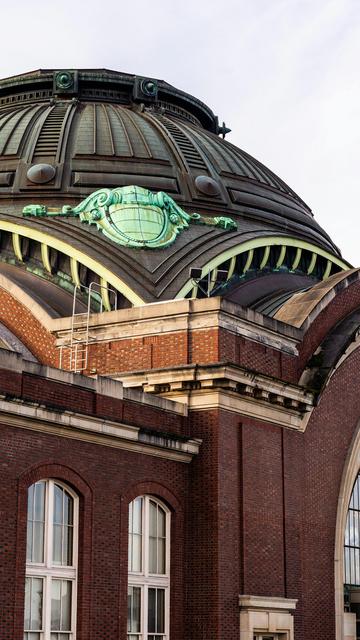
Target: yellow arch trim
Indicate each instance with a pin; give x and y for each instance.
(265, 257)
(281, 257)
(249, 261)
(250, 245)
(74, 254)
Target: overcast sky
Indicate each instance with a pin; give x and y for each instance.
(283, 74)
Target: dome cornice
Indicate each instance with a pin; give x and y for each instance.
(103, 84)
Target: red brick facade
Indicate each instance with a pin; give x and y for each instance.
(105, 481)
(253, 513)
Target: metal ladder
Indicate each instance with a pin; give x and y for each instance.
(74, 356)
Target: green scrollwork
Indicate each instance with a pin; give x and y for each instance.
(35, 210)
(133, 216)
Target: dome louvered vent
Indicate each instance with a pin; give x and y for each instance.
(48, 140)
(187, 148)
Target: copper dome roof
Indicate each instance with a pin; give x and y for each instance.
(57, 145)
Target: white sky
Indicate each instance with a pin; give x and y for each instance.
(283, 74)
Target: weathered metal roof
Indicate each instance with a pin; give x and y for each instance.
(59, 144)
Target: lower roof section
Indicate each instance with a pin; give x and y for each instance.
(100, 411)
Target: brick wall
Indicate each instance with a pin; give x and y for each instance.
(270, 498)
(254, 512)
(203, 616)
(152, 352)
(179, 348)
(105, 479)
(59, 395)
(262, 501)
(327, 441)
(256, 356)
(28, 329)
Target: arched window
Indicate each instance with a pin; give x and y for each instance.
(51, 562)
(149, 570)
(352, 539)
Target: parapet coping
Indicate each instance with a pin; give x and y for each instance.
(18, 413)
(183, 306)
(183, 315)
(101, 385)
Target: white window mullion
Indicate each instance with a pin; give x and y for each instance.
(143, 613)
(167, 617)
(33, 524)
(62, 532)
(47, 607)
(146, 538)
(130, 535)
(49, 516)
(145, 560)
(73, 607)
(49, 520)
(167, 545)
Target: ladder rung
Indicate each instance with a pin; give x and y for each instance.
(74, 358)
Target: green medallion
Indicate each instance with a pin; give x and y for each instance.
(133, 216)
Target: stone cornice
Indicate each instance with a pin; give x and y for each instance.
(224, 386)
(68, 424)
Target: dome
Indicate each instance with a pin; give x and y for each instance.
(66, 134)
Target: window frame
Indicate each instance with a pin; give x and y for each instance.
(49, 571)
(146, 580)
(351, 539)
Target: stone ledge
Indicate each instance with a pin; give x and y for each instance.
(36, 417)
(267, 602)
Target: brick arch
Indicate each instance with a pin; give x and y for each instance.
(340, 302)
(44, 471)
(28, 329)
(149, 487)
(323, 454)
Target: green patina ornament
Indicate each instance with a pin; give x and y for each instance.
(133, 216)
